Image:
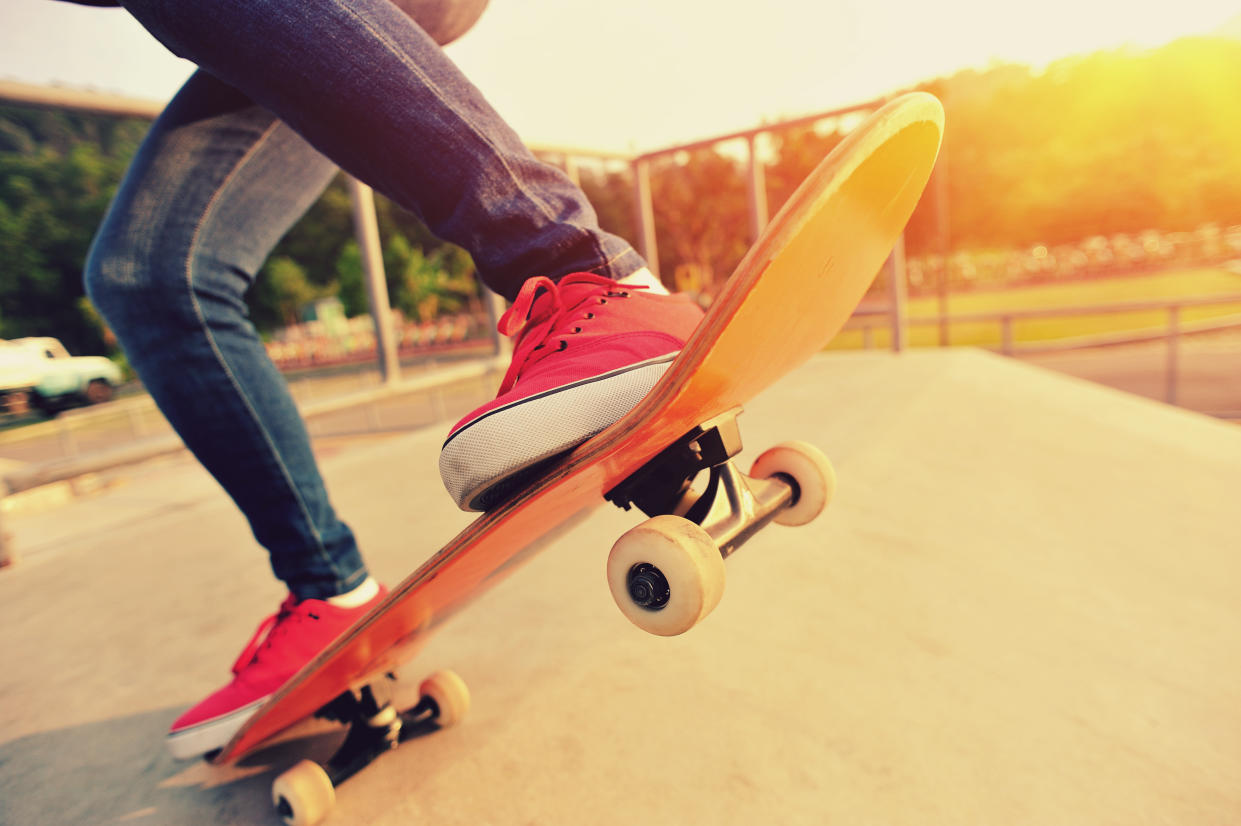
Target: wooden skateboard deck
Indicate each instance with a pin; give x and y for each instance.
(794, 290)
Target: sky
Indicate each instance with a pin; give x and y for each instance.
(645, 74)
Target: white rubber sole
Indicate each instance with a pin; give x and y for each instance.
(482, 455)
(209, 735)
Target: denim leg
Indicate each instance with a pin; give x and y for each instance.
(214, 186)
(360, 81)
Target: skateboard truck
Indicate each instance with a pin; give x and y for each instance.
(732, 507)
(662, 482)
(305, 793)
(375, 726)
(668, 573)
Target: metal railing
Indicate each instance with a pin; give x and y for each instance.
(756, 186)
(1175, 328)
(756, 195)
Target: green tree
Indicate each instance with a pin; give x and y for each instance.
(290, 289)
(58, 172)
(701, 216)
(423, 285)
(352, 281)
(611, 194)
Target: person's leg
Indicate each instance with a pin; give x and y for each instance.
(367, 87)
(215, 185)
(360, 81)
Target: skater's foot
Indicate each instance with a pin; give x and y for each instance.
(283, 643)
(586, 350)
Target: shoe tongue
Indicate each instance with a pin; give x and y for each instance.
(575, 292)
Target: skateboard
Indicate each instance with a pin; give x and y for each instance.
(670, 457)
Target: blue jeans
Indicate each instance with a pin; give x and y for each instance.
(287, 91)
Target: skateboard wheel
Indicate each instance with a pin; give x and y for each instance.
(666, 575)
(303, 795)
(450, 694)
(808, 469)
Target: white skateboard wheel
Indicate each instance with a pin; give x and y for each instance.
(303, 795)
(810, 472)
(666, 575)
(451, 696)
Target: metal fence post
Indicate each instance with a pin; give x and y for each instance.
(899, 293)
(644, 214)
(1174, 353)
(1008, 344)
(366, 229)
(8, 556)
(943, 235)
(756, 190)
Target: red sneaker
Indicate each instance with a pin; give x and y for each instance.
(586, 350)
(283, 643)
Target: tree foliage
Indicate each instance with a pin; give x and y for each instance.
(58, 171)
(1114, 142)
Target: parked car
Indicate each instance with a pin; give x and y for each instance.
(62, 380)
(18, 377)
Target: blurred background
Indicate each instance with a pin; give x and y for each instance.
(1085, 214)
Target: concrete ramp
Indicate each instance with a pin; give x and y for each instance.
(1024, 606)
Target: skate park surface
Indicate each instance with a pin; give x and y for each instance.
(1023, 607)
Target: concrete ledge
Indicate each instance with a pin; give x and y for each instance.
(32, 476)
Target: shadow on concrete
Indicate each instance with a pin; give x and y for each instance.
(117, 771)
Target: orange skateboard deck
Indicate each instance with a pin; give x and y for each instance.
(790, 295)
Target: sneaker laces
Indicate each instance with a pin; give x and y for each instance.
(541, 312)
(269, 632)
